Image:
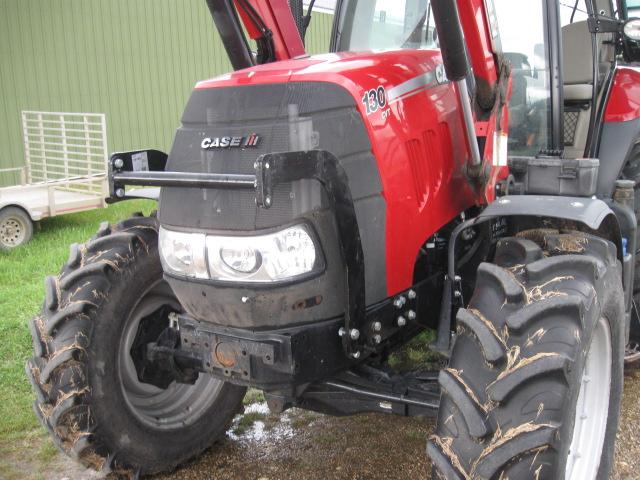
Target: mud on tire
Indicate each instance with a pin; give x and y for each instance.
(94, 412)
(510, 393)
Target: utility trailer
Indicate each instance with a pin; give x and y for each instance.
(64, 172)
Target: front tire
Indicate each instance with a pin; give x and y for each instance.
(109, 295)
(517, 401)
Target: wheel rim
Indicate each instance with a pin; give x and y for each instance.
(179, 405)
(592, 410)
(12, 231)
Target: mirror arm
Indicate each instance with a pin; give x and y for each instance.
(598, 24)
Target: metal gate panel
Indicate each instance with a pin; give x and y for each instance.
(69, 149)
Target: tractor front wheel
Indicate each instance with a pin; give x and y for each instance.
(534, 384)
(109, 300)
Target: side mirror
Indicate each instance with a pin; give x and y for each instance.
(631, 33)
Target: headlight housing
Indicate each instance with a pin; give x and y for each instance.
(183, 253)
(280, 256)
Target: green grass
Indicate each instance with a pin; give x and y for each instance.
(416, 354)
(22, 272)
(247, 420)
(253, 396)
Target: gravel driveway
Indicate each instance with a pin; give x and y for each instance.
(307, 446)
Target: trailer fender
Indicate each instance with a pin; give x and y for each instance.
(34, 216)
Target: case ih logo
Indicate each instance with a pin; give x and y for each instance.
(250, 141)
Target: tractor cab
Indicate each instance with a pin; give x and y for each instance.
(561, 73)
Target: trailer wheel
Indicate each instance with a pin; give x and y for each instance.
(534, 384)
(87, 391)
(16, 228)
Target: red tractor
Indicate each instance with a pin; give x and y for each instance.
(469, 167)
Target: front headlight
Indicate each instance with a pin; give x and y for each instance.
(275, 257)
(183, 253)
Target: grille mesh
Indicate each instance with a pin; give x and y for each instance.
(570, 126)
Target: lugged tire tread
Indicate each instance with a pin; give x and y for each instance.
(492, 345)
(561, 287)
(62, 408)
(83, 264)
(39, 347)
(590, 267)
(50, 293)
(103, 230)
(57, 361)
(526, 317)
(111, 241)
(63, 315)
(61, 341)
(473, 413)
(81, 447)
(499, 390)
(443, 463)
(75, 256)
(489, 273)
(30, 367)
(527, 251)
(520, 444)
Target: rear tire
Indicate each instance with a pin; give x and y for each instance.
(537, 324)
(16, 228)
(88, 394)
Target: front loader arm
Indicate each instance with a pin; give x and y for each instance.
(269, 23)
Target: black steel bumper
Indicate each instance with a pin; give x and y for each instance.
(267, 360)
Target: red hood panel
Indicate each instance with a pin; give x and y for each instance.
(349, 68)
(411, 113)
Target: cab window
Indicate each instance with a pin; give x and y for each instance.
(386, 25)
(525, 48)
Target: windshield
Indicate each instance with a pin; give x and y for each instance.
(386, 25)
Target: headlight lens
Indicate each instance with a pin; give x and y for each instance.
(241, 260)
(274, 257)
(183, 253)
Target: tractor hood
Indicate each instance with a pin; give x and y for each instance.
(386, 117)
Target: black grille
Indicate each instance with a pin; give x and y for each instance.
(324, 116)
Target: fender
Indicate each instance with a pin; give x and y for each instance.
(588, 211)
(593, 213)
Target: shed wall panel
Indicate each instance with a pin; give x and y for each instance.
(135, 61)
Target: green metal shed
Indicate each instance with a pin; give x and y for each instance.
(135, 61)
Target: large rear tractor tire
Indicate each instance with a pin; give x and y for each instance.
(535, 379)
(109, 296)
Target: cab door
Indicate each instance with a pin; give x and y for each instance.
(535, 109)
